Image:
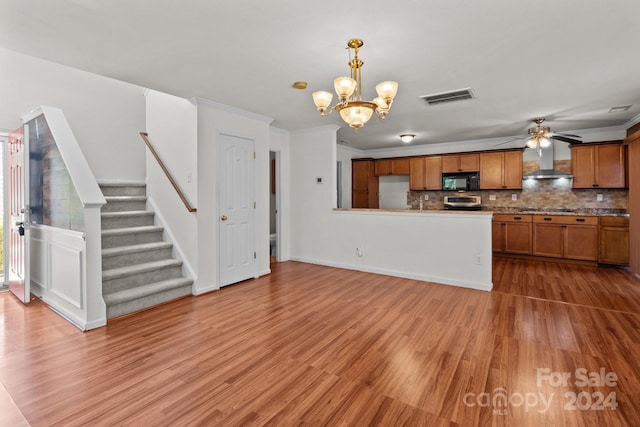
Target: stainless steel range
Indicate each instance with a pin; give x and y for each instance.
(464, 203)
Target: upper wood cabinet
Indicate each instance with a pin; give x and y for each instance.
(501, 170)
(364, 185)
(461, 163)
(392, 167)
(425, 173)
(598, 165)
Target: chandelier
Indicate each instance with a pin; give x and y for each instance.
(352, 108)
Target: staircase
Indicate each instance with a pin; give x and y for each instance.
(138, 270)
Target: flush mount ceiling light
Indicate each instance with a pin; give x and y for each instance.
(407, 137)
(352, 108)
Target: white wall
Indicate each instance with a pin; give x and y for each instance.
(172, 125)
(105, 114)
(426, 246)
(214, 119)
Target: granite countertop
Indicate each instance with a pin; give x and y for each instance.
(561, 211)
(509, 210)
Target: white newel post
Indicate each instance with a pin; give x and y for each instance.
(96, 309)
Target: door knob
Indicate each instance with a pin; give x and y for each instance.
(223, 217)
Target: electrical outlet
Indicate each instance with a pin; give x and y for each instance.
(359, 252)
(189, 177)
(478, 260)
(426, 197)
(514, 197)
(599, 197)
(492, 196)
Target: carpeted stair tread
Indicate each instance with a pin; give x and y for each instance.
(131, 230)
(106, 215)
(146, 267)
(132, 249)
(119, 297)
(125, 198)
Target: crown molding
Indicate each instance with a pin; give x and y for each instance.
(316, 129)
(234, 110)
(634, 121)
(351, 149)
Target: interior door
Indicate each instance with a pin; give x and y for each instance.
(18, 248)
(236, 210)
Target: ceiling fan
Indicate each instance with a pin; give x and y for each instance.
(541, 136)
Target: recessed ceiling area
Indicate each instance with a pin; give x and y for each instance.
(570, 62)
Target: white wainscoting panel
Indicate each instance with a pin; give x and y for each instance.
(58, 270)
(66, 273)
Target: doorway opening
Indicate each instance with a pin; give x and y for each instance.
(274, 207)
(4, 222)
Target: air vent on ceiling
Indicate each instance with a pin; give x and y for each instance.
(454, 95)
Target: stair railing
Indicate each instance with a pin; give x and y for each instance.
(145, 137)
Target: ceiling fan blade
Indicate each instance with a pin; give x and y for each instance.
(567, 134)
(568, 140)
(515, 138)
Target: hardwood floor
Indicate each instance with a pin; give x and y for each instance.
(311, 345)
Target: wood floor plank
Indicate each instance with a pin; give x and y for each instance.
(310, 345)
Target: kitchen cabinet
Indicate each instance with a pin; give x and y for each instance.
(364, 184)
(511, 233)
(501, 170)
(568, 237)
(614, 240)
(425, 173)
(392, 167)
(598, 165)
(461, 163)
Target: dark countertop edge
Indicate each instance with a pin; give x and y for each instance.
(488, 211)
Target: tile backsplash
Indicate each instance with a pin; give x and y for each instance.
(538, 193)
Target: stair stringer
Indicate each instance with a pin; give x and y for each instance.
(177, 251)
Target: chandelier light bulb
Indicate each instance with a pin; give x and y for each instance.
(322, 100)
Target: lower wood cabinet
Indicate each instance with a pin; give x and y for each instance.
(511, 234)
(568, 237)
(614, 241)
(585, 238)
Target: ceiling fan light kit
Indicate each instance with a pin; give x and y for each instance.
(541, 136)
(352, 108)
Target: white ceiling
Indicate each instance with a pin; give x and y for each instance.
(567, 60)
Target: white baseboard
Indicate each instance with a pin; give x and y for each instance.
(414, 276)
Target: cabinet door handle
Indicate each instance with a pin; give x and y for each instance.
(548, 219)
(580, 219)
(517, 218)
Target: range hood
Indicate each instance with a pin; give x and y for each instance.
(546, 170)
